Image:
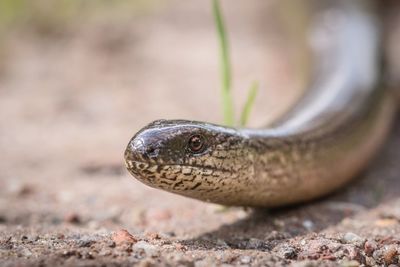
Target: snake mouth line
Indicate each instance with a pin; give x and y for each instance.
(134, 164)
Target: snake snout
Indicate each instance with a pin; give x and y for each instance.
(139, 150)
(135, 150)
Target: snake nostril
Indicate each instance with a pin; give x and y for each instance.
(151, 152)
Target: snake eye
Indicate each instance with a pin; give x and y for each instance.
(196, 143)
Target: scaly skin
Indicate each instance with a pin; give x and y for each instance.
(318, 146)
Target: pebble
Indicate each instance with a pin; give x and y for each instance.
(85, 242)
(377, 254)
(110, 244)
(355, 254)
(123, 237)
(389, 254)
(70, 253)
(245, 259)
(279, 223)
(60, 236)
(148, 248)
(275, 235)
(87, 255)
(222, 243)
(33, 238)
(105, 252)
(25, 253)
(255, 243)
(170, 234)
(309, 225)
(179, 246)
(153, 236)
(289, 253)
(369, 261)
(369, 247)
(353, 239)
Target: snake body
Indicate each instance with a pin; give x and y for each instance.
(321, 143)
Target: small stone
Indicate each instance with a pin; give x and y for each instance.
(222, 243)
(87, 255)
(105, 252)
(33, 238)
(153, 236)
(85, 242)
(275, 235)
(369, 247)
(110, 244)
(170, 234)
(70, 253)
(279, 223)
(389, 254)
(245, 259)
(25, 253)
(179, 246)
(148, 248)
(377, 254)
(309, 225)
(254, 243)
(369, 261)
(60, 236)
(353, 239)
(123, 237)
(227, 258)
(355, 254)
(289, 253)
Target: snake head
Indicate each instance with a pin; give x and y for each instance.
(190, 158)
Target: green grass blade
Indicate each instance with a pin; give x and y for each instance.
(227, 100)
(249, 104)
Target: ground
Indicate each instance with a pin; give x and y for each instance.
(70, 102)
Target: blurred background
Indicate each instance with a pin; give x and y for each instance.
(79, 78)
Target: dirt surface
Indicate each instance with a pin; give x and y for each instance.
(70, 103)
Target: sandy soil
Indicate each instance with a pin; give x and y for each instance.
(70, 103)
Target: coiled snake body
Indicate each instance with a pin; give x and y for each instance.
(326, 139)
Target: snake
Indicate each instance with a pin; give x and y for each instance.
(328, 137)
